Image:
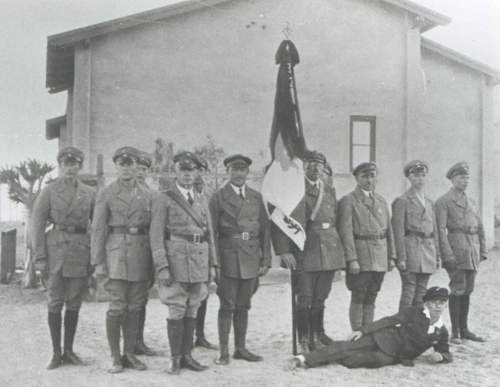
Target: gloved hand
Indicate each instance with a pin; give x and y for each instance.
(165, 278)
(354, 267)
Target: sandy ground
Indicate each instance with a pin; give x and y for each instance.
(25, 344)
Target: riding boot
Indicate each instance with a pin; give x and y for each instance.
(187, 360)
(464, 314)
(54, 320)
(224, 321)
(129, 340)
(175, 330)
(303, 328)
(356, 316)
(454, 308)
(140, 347)
(240, 321)
(70, 324)
(113, 324)
(201, 340)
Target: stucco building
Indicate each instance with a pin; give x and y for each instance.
(370, 86)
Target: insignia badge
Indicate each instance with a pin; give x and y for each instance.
(325, 226)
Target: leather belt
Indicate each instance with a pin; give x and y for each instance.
(70, 229)
(128, 230)
(463, 230)
(420, 234)
(244, 236)
(375, 237)
(321, 226)
(193, 238)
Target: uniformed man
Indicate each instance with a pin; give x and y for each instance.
(366, 232)
(415, 236)
(182, 245)
(323, 254)
(63, 253)
(201, 187)
(397, 339)
(121, 253)
(144, 162)
(463, 247)
(241, 229)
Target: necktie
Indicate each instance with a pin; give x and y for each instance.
(190, 199)
(241, 194)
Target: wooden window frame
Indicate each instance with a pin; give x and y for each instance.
(372, 120)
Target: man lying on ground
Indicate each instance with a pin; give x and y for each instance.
(391, 340)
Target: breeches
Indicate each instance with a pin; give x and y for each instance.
(125, 295)
(235, 293)
(462, 281)
(313, 288)
(413, 288)
(65, 290)
(183, 299)
(364, 286)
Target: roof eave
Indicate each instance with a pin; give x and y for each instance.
(493, 74)
(430, 18)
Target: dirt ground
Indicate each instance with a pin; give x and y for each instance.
(25, 344)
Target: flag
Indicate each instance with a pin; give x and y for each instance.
(283, 185)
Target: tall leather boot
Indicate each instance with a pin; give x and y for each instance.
(175, 331)
(356, 316)
(368, 313)
(54, 320)
(187, 360)
(314, 341)
(464, 314)
(303, 328)
(240, 321)
(113, 324)
(70, 324)
(129, 341)
(322, 336)
(201, 340)
(454, 308)
(140, 347)
(224, 320)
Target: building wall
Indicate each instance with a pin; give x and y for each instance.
(452, 127)
(170, 79)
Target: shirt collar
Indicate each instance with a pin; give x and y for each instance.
(366, 193)
(237, 189)
(432, 327)
(185, 191)
(313, 183)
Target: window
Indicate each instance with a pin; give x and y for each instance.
(362, 140)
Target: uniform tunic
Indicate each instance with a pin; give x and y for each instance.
(181, 241)
(241, 233)
(120, 242)
(66, 247)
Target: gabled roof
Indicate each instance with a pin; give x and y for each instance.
(462, 59)
(60, 47)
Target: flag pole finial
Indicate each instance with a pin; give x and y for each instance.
(287, 31)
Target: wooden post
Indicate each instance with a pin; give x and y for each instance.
(8, 255)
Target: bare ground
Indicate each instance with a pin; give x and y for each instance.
(25, 344)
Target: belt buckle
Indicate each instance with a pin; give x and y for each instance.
(245, 236)
(196, 238)
(133, 230)
(325, 225)
(70, 228)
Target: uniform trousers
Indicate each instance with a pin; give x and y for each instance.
(362, 353)
(313, 288)
(65, 290)
(364, 286)
(461, 281)
(236, 293)
(183, 299)
(125, 295)
(413, 288)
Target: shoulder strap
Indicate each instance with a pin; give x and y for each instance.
(185, 205)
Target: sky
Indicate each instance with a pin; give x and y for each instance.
(474, 31)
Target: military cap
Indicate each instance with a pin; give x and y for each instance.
(126, 152)
(436, 293)
(70, 152)
(145, 159)
(187, 160)
(415, 166)
(237, 160)
(315, 156)
(364, 167)
(328, 169)
(461, 168)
